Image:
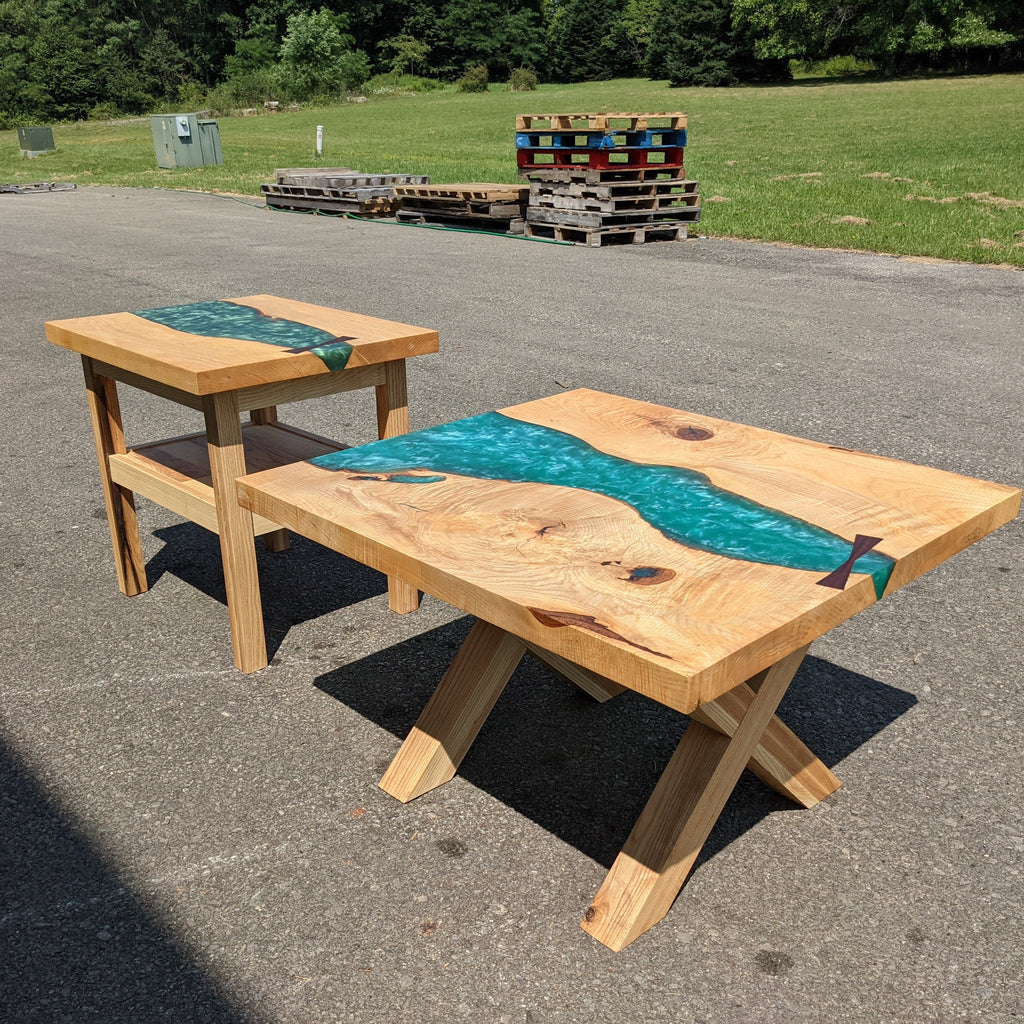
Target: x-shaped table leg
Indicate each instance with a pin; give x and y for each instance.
(737, 730)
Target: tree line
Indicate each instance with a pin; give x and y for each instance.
(67, 59)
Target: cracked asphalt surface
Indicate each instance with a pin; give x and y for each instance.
(184, 843)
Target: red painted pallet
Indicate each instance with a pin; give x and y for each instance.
(530, 160)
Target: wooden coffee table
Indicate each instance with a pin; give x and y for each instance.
(224, 358)
(690, 559)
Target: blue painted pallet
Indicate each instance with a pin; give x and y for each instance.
(652, 139)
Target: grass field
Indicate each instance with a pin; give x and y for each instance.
(926, 168)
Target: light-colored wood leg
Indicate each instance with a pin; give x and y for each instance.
(598, 687)
(663, 846)
(445, 730)
(392, 420)
(105, 412)
(279, 539)
(781, 760)
(266, 415)
(234, 524)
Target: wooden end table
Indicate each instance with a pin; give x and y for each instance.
(224, 358)
(628, 545)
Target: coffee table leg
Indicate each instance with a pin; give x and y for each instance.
(445, 730)
(392, 420)
(278, 540)
(781, 760)
(690, 795)
(596, 686)
(234, 524)
(105, 412)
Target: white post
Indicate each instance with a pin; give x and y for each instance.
(319, 140)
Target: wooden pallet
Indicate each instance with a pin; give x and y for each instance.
(609, 236)
(598, 159)
(595, 176)
(466, 191)
(38, 186)
(614, 189)
(598, 122)
(514, 225)
(589, 220)
(620, 138)
(366, 208)
(323, 192)
(615, 204)
(344, 177)
(461, 207)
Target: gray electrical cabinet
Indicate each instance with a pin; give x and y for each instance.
(35, 141)
(185, 140)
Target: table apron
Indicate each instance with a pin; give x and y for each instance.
(154, 387)
(259, 396)
(282, 392)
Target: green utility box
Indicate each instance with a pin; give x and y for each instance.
(35, 141)
(185, 140)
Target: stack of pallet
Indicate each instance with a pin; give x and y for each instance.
(604, 178)
(337, 190)
(471, 206)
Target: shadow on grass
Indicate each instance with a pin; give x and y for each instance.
(584, 770)
(78, 944)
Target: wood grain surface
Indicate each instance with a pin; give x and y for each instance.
(202, 365)
(585, 576)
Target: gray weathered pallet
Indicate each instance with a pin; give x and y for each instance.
(38, 186)
(343, 178)
(590, 221)
(461, 208)
(323, 192)
(508, 226)
(618, 204)
(669, 232)
(615, 189)
(367, 208)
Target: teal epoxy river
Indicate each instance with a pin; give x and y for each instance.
(221, 319)
(681, 503)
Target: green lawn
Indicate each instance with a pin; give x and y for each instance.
(927, 168)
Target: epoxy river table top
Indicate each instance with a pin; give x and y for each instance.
(204, 348)
(669, 551)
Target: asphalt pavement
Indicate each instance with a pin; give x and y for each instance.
(181, 842)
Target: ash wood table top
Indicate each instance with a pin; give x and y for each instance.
(668, 551)
(687, 558)
(209, 347)
(224, 358)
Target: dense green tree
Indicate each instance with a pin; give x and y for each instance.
(694, 42)
(588, 42)
(318, 57)
(897, 35)
(70, 58)
(467, 33)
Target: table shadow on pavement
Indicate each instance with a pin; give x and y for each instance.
(76, 943)
(298, 584)
(584, 770)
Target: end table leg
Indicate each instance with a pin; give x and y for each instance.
(690, 795)
(445, 730)
(279, 539)
(234, 524)
(392, 420)
(105, 412)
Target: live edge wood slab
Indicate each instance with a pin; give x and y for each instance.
(224, 358)
(687, 558)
